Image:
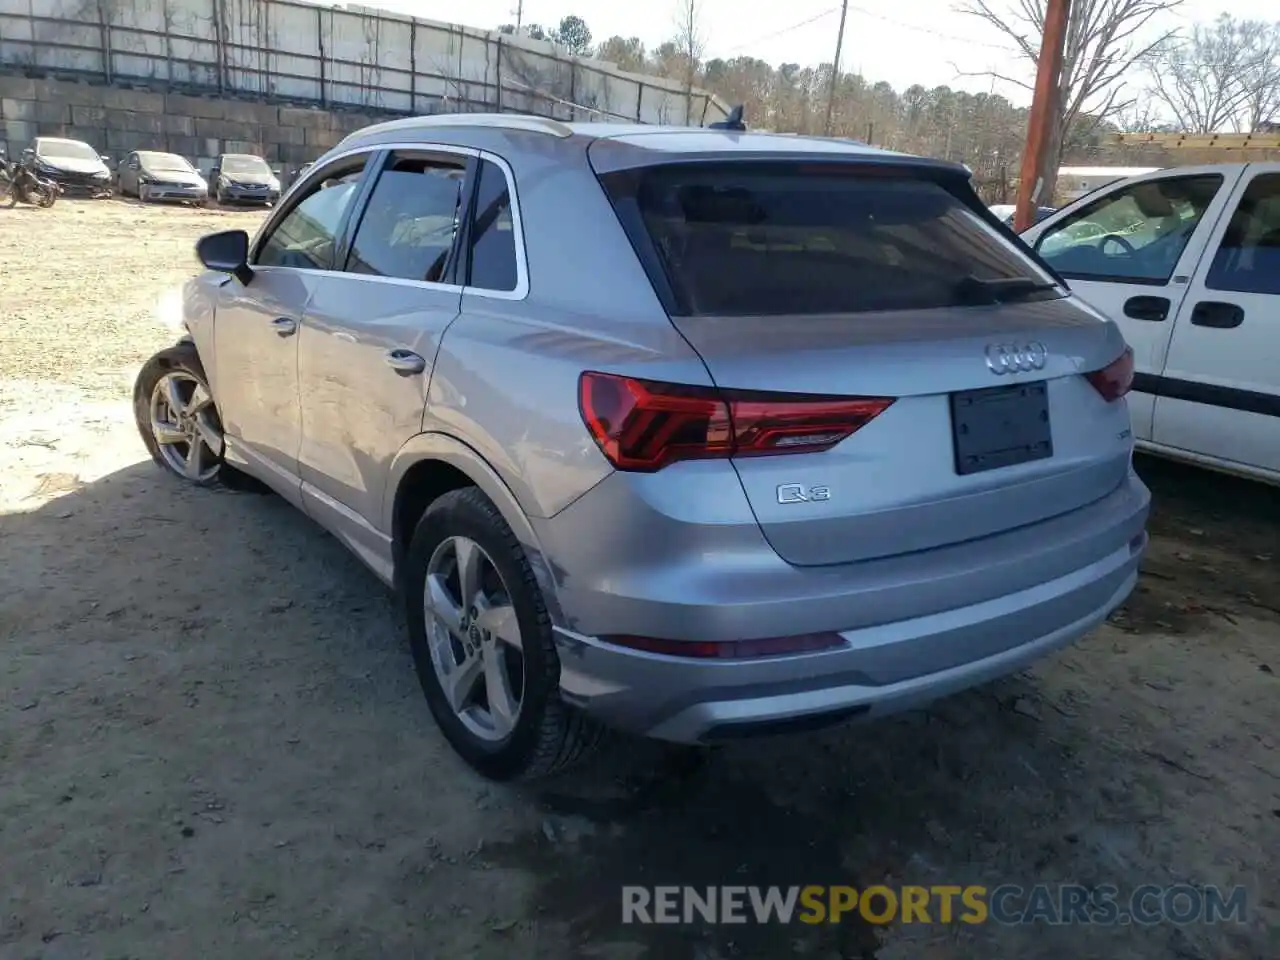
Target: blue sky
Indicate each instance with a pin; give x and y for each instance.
(912, 41)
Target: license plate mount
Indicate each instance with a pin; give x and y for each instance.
(1000, 427)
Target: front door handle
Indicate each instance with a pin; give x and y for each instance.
(405, 361)
(1211, 313)
(284, 326)
(1147, 308)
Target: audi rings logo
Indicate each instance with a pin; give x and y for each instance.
(1005, 358)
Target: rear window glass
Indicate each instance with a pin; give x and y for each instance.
(752, 239)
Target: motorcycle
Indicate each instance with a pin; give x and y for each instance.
(20, 183)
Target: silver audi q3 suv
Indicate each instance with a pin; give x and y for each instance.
(697, 433)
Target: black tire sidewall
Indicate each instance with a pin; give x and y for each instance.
(464, 513)
(182, 357)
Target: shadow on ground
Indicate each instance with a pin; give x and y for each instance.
(212, 735)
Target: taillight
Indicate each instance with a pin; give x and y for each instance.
(1115, 379)
(642, 425)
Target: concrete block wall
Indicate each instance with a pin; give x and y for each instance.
(117, 120)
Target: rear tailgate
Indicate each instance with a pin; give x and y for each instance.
(794, 278)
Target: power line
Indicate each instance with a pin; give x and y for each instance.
(785, 30)
(1150, 57)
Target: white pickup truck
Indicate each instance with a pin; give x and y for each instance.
(1187, 262)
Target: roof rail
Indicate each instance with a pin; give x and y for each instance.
(507, 121)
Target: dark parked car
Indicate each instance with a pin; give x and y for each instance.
(243, 178)
(150, 175)
(72, 164)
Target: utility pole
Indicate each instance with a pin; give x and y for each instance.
(835, 68)
(1045, 104)
(519, 12)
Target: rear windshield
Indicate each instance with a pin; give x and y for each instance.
(751, 239)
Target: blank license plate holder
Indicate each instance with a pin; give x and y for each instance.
(1000, 427)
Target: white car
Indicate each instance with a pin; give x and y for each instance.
(1187, 262)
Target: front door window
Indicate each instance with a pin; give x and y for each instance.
(1134, 235)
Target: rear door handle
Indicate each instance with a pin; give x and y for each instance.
(284, 326)
(405, 361)
(1211, 313)
(1147, 308)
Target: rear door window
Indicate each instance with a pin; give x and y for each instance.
(1248, 258)
(409, 226)
(759, 238)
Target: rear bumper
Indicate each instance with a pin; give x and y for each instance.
(890, 664)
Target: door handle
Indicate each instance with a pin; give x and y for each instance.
(284, 326)
(405, 361)
(1147, 308)
(1211, 313)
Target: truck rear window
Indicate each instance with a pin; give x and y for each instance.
(756, 238)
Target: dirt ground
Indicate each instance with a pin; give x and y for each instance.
(212, 743)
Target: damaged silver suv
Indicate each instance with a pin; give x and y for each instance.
(701, 434)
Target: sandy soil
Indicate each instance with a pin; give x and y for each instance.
(212, 743)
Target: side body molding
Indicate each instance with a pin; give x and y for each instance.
(448, 449)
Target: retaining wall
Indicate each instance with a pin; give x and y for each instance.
(116, 121)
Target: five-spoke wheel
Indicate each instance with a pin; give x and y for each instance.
(185, 426)
(177, 417)
(474, 637)
(483, 644)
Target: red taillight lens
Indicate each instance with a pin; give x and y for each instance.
(1115, 379)
(642, 425)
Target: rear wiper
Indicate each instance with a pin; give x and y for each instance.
(1003, 289)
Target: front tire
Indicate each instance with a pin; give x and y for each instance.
(482, 644)
(177, 418)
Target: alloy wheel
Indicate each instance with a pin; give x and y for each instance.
(474, 638)
(185, 426)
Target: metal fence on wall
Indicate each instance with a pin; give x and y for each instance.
(330, 56)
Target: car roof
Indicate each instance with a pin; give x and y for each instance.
(629, 144)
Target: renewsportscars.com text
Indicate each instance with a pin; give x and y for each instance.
(1009, 904)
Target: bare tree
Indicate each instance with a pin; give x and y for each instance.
(627, 52)
(690, 42)
(1208, 79)
(1142, 116)
(1105, 40)
(1262, 78)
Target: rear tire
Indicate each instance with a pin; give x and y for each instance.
(499, 736)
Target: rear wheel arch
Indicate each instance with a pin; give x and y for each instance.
(432, 464)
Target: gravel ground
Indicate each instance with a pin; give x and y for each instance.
(212, 742)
